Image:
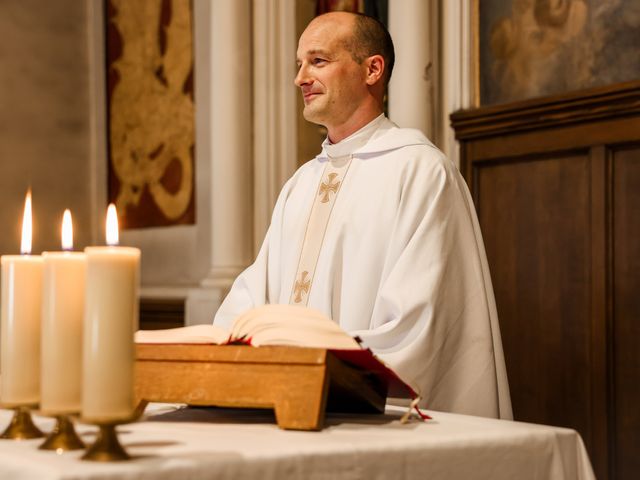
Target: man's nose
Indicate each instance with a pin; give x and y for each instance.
(302, 77)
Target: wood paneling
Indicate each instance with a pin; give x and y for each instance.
(626, 310)
(577, 108)
(539, 256)
(556, 182)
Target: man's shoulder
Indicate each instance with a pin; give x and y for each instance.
(406, 146)
(413, 158)
(402, 136)
(393, 138)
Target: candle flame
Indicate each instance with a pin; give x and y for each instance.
(112, 225)
(27, 226)
(67, 231)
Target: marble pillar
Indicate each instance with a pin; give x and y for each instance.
(224, 137)
(412, 90)
(274, 106)
(457, 85)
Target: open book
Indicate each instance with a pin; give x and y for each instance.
(267, 325)
(285, 325)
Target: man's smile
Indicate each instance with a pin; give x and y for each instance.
(308, 96)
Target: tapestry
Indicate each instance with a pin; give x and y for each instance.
(150, 111)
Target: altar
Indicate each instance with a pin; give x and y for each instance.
(175, 442)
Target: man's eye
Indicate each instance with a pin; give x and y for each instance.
(318, 61)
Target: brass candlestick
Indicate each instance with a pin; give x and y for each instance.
(21, 426)
(63, 437)
(107, 448)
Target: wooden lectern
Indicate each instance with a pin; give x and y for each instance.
(300, 384)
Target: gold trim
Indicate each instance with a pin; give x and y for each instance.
(301, 286)
(344, 168)
(327, 187)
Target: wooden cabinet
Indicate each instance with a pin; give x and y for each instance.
(556, 182)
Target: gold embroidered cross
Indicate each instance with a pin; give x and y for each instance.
(302, 285)
(326, 188)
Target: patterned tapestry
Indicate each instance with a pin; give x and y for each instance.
(151, 111)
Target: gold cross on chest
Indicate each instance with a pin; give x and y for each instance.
(301, 286)
(328, 187)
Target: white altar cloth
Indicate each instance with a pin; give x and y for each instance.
(239, 444)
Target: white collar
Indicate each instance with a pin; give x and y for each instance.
(354, 141)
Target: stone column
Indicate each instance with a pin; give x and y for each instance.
(457, 72)
(274, 106)
(413, 24)
(224, 135)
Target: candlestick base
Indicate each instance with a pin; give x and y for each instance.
(21, 426)
(63, 437)
(106, 448)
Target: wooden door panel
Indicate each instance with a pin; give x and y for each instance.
(535, 218)
(626, 311)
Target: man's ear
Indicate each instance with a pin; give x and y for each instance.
(375, 69)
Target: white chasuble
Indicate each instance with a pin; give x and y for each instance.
(399, 262)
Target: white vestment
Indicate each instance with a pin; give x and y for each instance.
(401, 264)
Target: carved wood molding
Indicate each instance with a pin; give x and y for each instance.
(602, 103)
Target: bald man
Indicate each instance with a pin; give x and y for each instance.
(378, 232)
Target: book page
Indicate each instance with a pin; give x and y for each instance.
(291, 325)
(202, 334)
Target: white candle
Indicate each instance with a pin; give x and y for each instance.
(110, 320)
(62, 315)
(20, 322)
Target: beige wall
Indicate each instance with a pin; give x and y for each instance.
(44, 119)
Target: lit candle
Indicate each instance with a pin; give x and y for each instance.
(62, 314)
(110, 320)
(21, 322)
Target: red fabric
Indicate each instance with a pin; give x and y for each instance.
(366, 360)
(421, 414)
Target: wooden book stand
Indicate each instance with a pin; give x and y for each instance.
(300, 384)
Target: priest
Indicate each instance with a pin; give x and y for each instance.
(379, 233)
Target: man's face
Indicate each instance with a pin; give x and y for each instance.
(333, 85)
